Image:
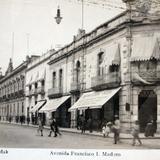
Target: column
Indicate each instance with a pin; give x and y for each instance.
(124, 115)
(134, 104)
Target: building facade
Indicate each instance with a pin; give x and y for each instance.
(113, 70)
(36, 86)
(12, 93)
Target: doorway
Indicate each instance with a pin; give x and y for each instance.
(147, 108)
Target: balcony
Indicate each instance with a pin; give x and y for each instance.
(105, 81)
(152, 77)
(75, 87)
(31, 92)
(55, 92)
(40, 90)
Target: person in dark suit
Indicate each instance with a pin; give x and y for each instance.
(54, 128)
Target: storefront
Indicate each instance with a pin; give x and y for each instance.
(100, 106)
(58, 108)
(35, 112)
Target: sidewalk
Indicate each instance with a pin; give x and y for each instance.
(94, 133)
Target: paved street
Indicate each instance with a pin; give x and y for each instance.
(26, 137)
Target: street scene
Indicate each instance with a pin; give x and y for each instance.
(71, 77)
(13, 136)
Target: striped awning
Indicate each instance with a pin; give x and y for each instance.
(53, 104)
(145, 48)
(37, 106)
(93, 100)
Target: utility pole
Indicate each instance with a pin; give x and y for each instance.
(82, 14)
(12, 52)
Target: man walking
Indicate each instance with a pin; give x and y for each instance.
(116, 129)
(54, 128)
(135, 133)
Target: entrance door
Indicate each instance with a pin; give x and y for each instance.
(147, 109)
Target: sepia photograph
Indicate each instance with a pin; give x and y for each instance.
(80, 74)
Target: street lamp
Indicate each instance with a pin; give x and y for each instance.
(58, 18)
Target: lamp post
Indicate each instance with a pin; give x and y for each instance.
(58, 18)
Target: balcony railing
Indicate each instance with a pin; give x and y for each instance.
(75, 87)
(55, 92)
(149, 76)
(109, 80)
(40, 90)
(31, 92)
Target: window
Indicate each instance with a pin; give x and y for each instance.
(43, 83)
(60, 78)
(36, 85)
(54, 79)
(22, 108)
(30, 87)
(17, 108)
(100, 63)
(78, 67)
(114, 68)
(22, 83)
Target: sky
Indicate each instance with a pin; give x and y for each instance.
(28, 27)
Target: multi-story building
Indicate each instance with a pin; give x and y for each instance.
(113, 70)
(12, 92)
(36, 86)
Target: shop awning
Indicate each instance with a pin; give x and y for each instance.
(93, 100)
(53, 104)
(145, 48)
(37, 106)
(113, 52)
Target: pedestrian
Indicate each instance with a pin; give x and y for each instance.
(78, 122)
(51, 123)
(21, 120)
(28, 120)
(10, 119)
(54, 128)
(90, 122)
(103, 130)
(108, 128)
(135, 133)
(150, 129)
(116, 130)
(40, 126)
(83, 124)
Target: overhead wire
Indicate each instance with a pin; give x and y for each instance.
(106, 4)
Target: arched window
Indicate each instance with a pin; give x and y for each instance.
(100, 64)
